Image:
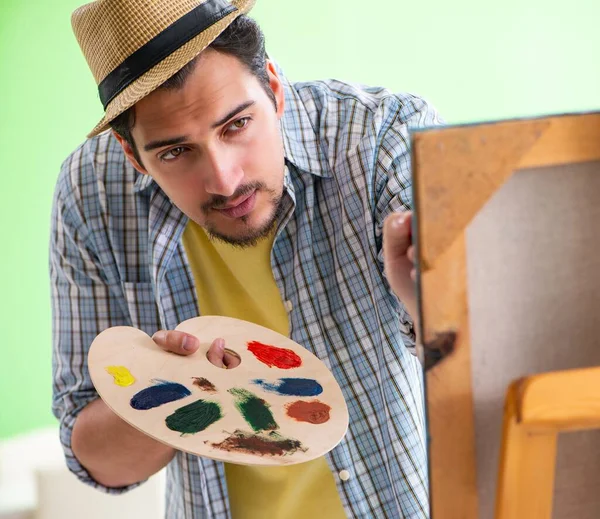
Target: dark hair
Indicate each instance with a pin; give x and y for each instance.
(242, 39)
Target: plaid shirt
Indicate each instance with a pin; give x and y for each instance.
(116, 258)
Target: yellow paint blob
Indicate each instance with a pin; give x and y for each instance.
(122, 375)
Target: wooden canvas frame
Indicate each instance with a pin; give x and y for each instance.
(456, 171)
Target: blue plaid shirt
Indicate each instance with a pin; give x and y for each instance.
(116, 258)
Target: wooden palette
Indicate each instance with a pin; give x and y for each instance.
(255, 415)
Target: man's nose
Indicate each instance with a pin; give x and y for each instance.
(224, 175)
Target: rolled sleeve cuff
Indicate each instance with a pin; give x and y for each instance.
(66, 433)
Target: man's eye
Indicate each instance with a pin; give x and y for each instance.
(172, 154)
(239, 124)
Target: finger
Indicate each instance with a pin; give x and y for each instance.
(410, 253)
(396, 235)
(231, 359)
(413, 275)
(216, 352)
(177, 342)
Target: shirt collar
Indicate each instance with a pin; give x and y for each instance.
(142, 182)
(301, 143)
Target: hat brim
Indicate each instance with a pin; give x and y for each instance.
(157, 75)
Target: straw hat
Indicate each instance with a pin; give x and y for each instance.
(133, 46)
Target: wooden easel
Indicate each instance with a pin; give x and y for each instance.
(458, 172)
(538, 408)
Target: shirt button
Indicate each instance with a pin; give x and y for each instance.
(344, 475)
(288, 306)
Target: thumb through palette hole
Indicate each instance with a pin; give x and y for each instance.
(231, 359)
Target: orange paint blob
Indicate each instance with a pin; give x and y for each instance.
(312, 412)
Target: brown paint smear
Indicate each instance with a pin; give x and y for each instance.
(271, 444)
(204, 384)
(439, 348)
(312, 412)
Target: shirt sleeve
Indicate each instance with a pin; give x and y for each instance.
(83, 305)
(397, 115)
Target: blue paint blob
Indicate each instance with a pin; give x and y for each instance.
(160, 393)
(292, 386)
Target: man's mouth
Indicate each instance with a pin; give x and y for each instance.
(240, 207)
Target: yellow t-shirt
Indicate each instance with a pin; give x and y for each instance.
(239, 283)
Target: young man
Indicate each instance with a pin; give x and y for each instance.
(225, 189)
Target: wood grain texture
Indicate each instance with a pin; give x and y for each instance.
(560, 401)
(538, 408)
(457, 169)
(528, 459)
(449, 391)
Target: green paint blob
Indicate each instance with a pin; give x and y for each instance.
(194, 417)
(254, 410)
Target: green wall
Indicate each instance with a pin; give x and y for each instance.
(474, 60)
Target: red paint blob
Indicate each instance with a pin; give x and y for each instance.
(312, 412)
(273, 356)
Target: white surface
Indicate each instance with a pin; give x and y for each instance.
(62, 495)
(20, 457)
(36, 484)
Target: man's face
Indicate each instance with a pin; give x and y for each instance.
(214, 147)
